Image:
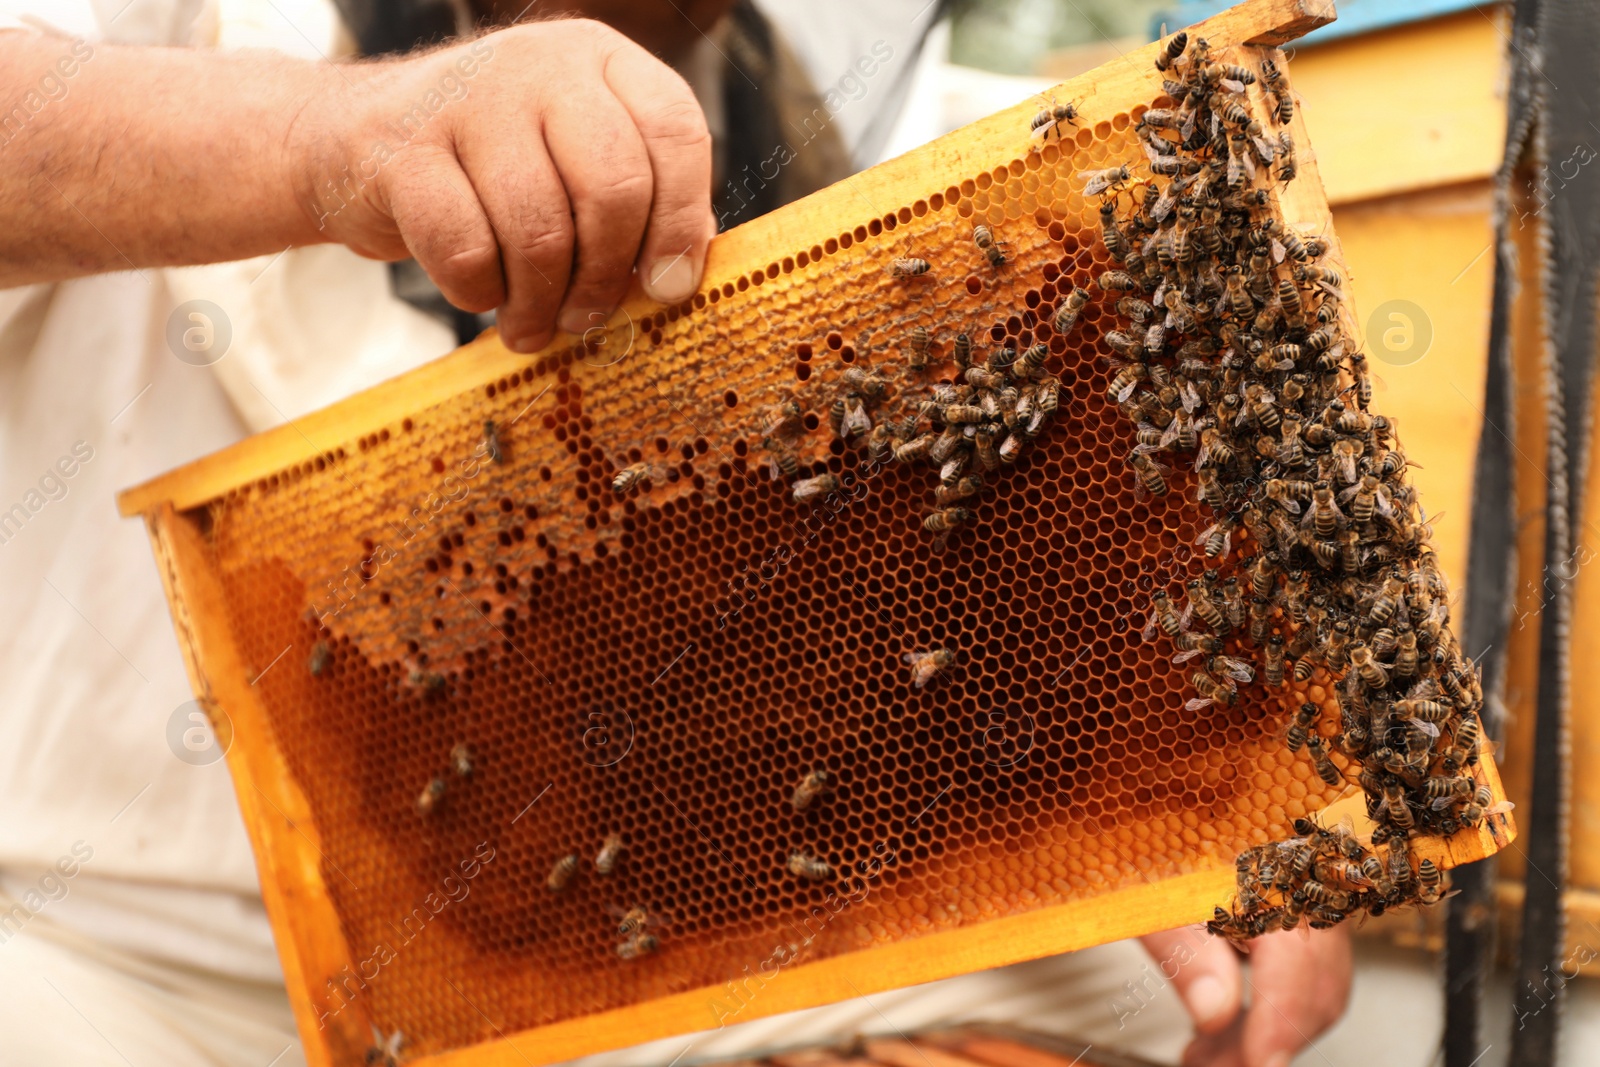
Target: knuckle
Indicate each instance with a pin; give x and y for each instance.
(619, 187)
(679, 123)
(467, 265)
(545, 239)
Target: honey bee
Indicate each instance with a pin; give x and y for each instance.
(461, 760)
(1431, 882)
(1127, 379)
(628, 477)
(920, 342)
(1117, 280)
(913, 450)
(1260, 618)
(1481, 806)
(1447, 789)
(431, 796)
(321, 657)
(943, 520)
(1048, 395)
(1289, 493)
(1389, 599)
(961, 350)
(880, 445)
(637, 946)
(1323, 516)
(1272, 81)
(1032, 361)
(1366, 497)
(1259, 403)
(960, 490)
(1192, 644)
(1211, 692)
(1425, 710)
(804, 865)
(561, 873)
(1347, 451)
(1299, 732)
(993, 250)
(1273, 668)
(781, 459)
(1399, 811)
(1326, 769)
(1463, 745)
(808, 490)
(384, 1051)
(984, 448)
(1169, 53)
(1099, 181)
(860, 381)
(1051, 118)
(1162, 615)
(605, 861)
(910, 267)
(926, 665)
(1151, 475)
(1216, 538)
(491, 442)
(1366, 666)
(812, 786)
(1286, 161)
(631, 922)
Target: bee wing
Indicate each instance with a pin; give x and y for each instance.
(1238, 670)
(1149, 631)
(1191, 397)
(1440, 803)
(1188, 613)
(392, 1047)
(1232, 86)
(1423, 726)
(856, 419)
(1278, 251)
(1185, 657)
(1265, 148)
(1196, 703)
(1126, 391)
(1291, 506)
(1350, 492)
(910, 657)
(1334, 291)
(1202, 455)
(1384, 507)
(1500, 808)
(1096, 186)
(1205, 535)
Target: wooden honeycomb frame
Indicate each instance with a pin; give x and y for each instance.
(379, 459)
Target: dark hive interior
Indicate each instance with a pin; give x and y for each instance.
(668, 664)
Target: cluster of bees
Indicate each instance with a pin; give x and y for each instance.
(1230, 356)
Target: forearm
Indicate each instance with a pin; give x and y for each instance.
(113, 158)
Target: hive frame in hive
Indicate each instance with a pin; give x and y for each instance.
(284, 826)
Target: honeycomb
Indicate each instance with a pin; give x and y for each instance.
(482, 665)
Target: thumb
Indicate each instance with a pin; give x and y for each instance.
(1204, 970)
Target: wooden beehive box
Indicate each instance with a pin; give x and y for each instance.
(667, 664)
